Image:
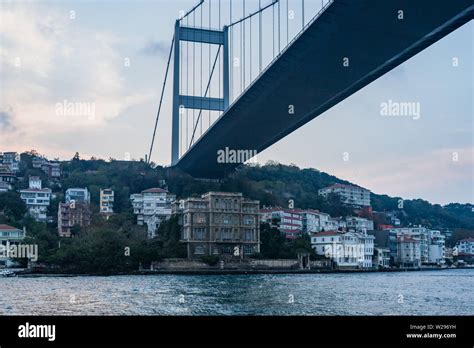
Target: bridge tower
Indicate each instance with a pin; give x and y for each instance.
(181, 102)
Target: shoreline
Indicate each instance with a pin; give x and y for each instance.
(228, 272)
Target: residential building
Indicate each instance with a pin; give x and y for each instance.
(106, 201)
(73, 214)
(349, 194)
(381, 257)
(310, 221)
(4, 186)
(12, 160)
(38, 161)
(78, 195)
(152, 206)
(436, 251)
(431, 243)
(465, 246)
(368, 243)
(36, 198)
(288, 221)
(8, 236)
(359, 224)
(6, 175)
(419, 233)
(52, 169)
(346, 250)
(336, 224)
(219, 223)
(408, 252)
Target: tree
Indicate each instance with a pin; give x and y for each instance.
(12, 205)
(169, 233)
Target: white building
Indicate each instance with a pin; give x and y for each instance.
(436, 251)
(288, 221)
(431, 243)
(310, 221)
(408, 252)
(78, 195)
(8, 236)
(106, 201)
(368, 242)
(346, 250)
(12, 160)
(36, 198)
(465, 246)
(381, 257)
(152, 206)
(359, 224)
(352, 195)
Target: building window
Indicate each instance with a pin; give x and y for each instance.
(199, 233)
(227, 234)
(199, 250)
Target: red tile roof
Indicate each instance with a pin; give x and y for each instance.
(7, 227)
(326, 233)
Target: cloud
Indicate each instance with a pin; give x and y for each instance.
(51, 60)
(156, 48)
(5, 121)
(433, 175)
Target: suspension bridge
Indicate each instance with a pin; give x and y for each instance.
(246, 73)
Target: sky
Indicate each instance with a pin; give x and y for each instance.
(110, 57)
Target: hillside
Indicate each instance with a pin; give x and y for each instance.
(272, 184)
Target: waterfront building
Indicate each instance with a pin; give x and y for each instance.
(78, 195)
(73, 214)
(346, 250)
(436, 251)
(408, 252)
(349, 194)
(431, 243)
(219, 223)
(368, 244)
(106, 201)
(152, 206)
(9, 236)
(381, 257)
(465, 246)
(36, 198)
(288, 221)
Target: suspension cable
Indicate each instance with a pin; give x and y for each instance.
(161, 99)
(207, 89)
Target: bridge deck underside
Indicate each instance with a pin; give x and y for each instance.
(311, 76)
